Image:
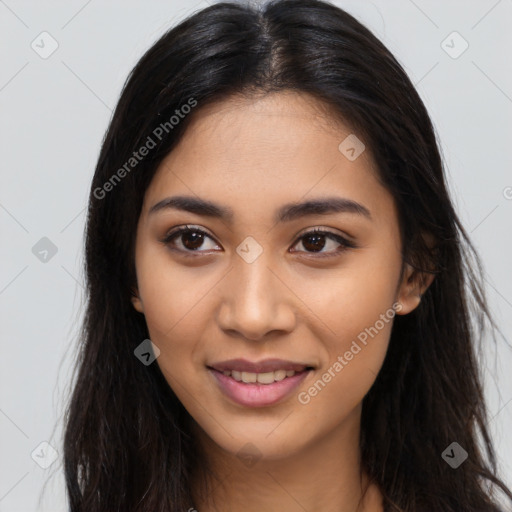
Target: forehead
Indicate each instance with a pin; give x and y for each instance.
(282, 125)
(253, 153)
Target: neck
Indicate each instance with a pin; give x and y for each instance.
(325, 476)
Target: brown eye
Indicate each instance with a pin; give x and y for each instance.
(191, 239)
(315, 241)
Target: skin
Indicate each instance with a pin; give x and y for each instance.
(254, 155)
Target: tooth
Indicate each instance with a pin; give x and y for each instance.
(262, 378)
(249, 377)
(279, 375)
(266, 378)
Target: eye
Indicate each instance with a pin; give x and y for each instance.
(190, 239)
(314, 242)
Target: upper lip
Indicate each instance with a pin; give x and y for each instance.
(267, 365)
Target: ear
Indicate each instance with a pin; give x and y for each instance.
(415, 282)
(413, 285)
(136, 301)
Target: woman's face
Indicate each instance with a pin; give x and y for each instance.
(257, 287)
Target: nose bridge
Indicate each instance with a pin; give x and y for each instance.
(254, 280)
(254, 301)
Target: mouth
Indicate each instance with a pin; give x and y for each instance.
(258, 384)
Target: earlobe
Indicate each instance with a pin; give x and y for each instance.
(137, 303)
(413, 286)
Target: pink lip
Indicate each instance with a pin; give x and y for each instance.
(255, 394)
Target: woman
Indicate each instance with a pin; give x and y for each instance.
(277, 315)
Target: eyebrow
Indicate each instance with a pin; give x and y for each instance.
(286, 213)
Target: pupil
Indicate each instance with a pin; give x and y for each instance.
(197, 240)
(315, 244)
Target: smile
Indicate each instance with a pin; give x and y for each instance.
(258, 389)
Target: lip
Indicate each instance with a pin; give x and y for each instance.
(255, 394)
(267, 365)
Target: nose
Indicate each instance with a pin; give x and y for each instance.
(256, 301)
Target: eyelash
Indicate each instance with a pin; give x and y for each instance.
(344, 243)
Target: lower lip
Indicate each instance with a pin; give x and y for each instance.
(258, 395)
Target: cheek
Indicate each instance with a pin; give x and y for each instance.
(354, 359)
(175, 323)
(170, 292)
(357, 314)
(174, 299)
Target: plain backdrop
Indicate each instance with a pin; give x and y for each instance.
(55, 109)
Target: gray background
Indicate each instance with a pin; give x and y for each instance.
(54, 113)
